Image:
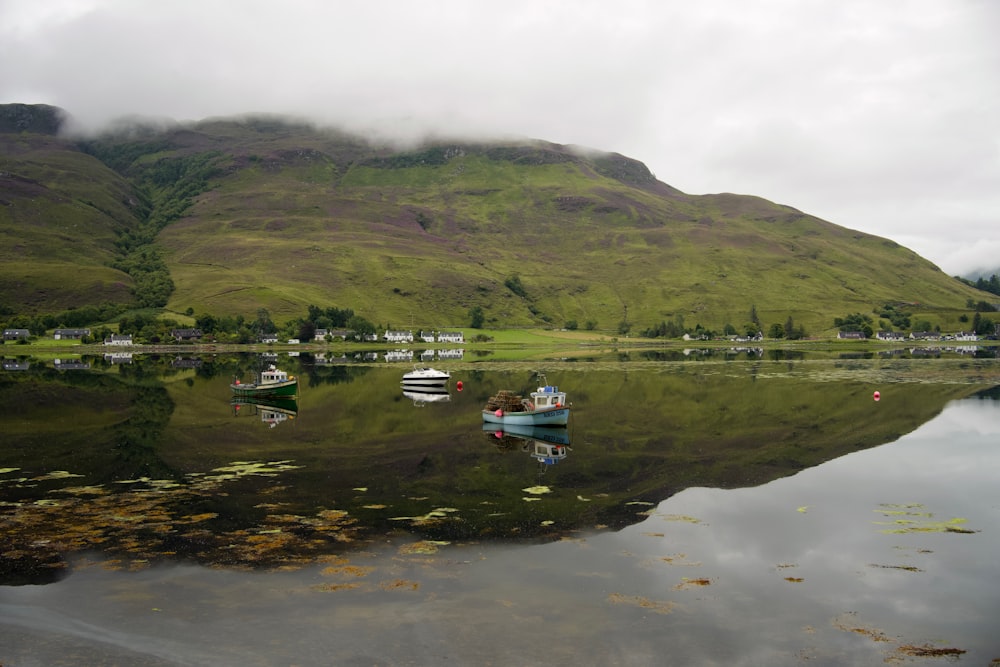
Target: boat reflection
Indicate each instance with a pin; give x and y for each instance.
(546, 444)
(272, 411)
(421, 395)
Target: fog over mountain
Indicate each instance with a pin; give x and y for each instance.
(875, 116)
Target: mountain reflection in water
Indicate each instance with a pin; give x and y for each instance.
(871, 557)
(145, 462)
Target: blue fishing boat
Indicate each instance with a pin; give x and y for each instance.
(547, 406)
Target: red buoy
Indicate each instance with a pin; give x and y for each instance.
(876, 396)
(499, 412)
(458, 385)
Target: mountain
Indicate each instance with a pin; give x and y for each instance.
(229, 215)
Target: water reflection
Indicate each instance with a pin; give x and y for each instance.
(270, 411)
(134, 462)
(849, 562)
(421, 396)
(546, 444)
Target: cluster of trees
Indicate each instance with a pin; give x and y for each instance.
(982, 325)
(750, 329)
(893, 317)
(304, 328)
(991, 284)
(164, 189)
(855, 322)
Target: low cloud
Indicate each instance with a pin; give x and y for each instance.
(870, 117)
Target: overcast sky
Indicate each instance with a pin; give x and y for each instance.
(876, 115)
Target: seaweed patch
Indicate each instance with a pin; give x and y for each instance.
(914, 519)
(693, 583)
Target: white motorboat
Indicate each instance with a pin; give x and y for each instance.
(422, 376)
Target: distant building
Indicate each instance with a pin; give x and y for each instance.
(16, 334)
(890, 335)
(398, 336)
(70, 334)
(450, 337)
(852, 335)
(118, 339)
(181, 335)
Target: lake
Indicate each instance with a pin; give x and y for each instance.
(716, 507)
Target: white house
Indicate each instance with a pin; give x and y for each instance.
(398, 336)
(966, 336)
(119, 339)
(450, 337)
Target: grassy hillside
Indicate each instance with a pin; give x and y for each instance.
(60, 214)
(257, 212)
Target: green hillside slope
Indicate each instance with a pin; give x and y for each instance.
(61, 212)
(257, 212)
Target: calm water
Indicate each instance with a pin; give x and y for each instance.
(734, 510)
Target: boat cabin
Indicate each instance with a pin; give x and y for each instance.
(548, 396)
(272, 375)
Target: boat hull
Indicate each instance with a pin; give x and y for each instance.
(287, 404)
(425, 382)
(287, 389)
(548, 417)
(553, 434)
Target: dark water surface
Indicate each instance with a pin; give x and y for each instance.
(740, 511)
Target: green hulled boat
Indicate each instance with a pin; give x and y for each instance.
(272, 383)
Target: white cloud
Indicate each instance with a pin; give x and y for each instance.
(883, 117)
